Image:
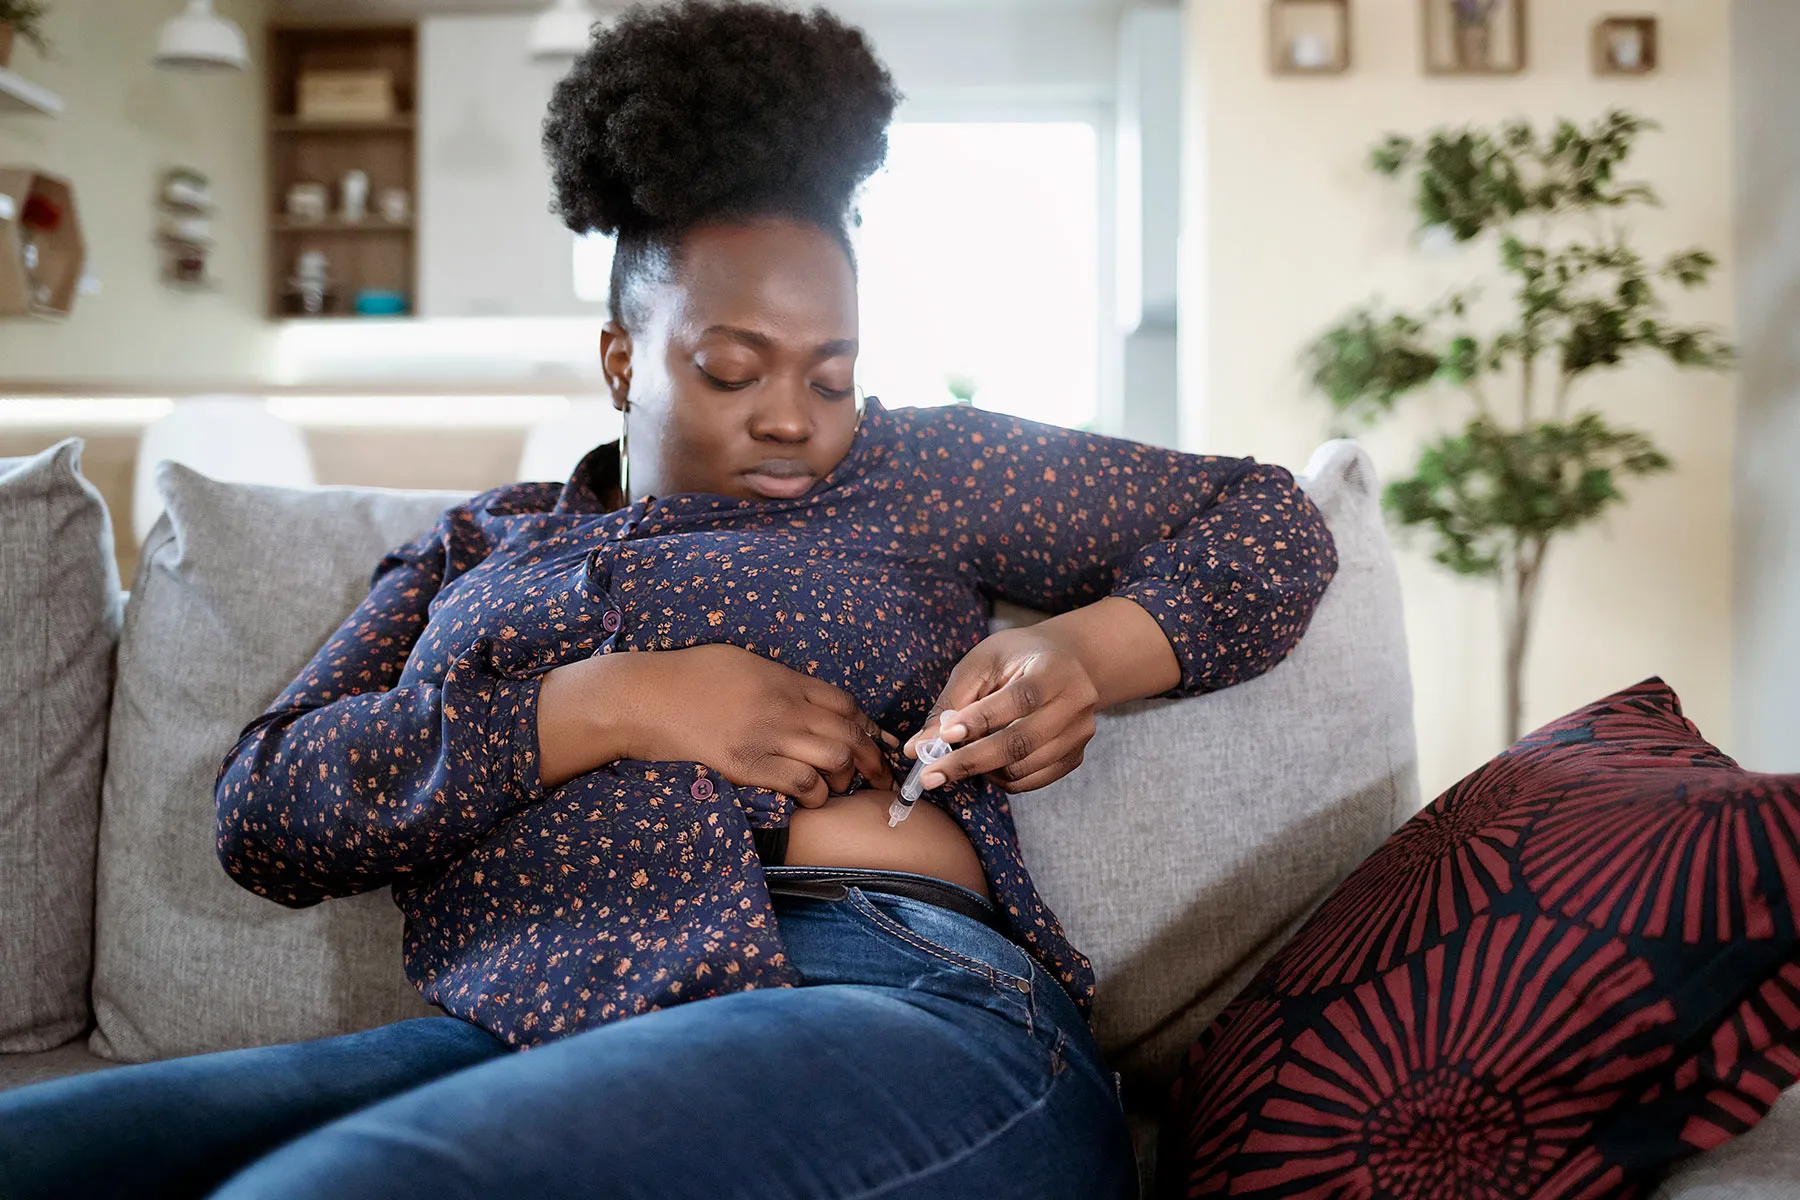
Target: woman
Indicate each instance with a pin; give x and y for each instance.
(625, 747)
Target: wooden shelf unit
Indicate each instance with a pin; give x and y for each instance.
(372, 225)
(405, 124)
(375, 253)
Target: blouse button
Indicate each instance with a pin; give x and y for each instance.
(702, 789)
(610, 621)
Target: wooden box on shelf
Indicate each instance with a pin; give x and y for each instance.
(345, 96)
(1625, 46)
(42, 250)
(341, 101)
(1309, 37)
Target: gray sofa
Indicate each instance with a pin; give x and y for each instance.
(1196, 837)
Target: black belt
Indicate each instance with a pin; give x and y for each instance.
(833, 883)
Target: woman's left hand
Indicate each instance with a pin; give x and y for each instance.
(1020, 709)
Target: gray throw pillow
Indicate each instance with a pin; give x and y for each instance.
(1199, 833)
(59, 624)
(238, 585)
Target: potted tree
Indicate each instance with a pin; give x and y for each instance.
(22, 19)
(1528, 465)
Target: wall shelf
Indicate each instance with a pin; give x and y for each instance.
(360, 256)
(338, 225)
(287, 125)
(43, 258)
(18, 94)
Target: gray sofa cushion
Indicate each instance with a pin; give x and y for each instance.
(1763, 1164)
(59, 593)
(1200, 832)
(237, 587)
(23, 1070)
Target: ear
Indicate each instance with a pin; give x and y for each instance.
(615, 363)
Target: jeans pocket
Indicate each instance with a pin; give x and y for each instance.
(998, 963)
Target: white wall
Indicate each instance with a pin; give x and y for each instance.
(1285, 229)
(125, 124)
(1767, 617)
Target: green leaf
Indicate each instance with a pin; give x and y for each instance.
(1364, 365)
(1392, 154)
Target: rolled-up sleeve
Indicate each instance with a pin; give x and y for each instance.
(349, 782)
(1228, 555)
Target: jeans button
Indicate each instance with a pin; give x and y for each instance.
(702, 789)
(611, 620)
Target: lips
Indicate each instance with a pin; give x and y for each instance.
(774, 485)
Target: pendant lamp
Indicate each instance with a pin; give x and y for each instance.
(564, 30)
(201, 38)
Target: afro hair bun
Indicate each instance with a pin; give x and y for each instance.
(707, 109)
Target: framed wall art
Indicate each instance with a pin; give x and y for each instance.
(1309, 37)
(1475, 37)
(1625, 46)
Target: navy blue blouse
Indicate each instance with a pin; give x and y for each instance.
(405, 754)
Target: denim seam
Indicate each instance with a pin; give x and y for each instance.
(1034, 1107)
(994, 974)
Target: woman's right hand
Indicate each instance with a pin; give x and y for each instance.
(754, 721)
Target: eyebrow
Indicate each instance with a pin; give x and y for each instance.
(758, 341)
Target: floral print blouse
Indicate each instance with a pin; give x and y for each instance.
(406, 753)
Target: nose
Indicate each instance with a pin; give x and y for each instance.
(784, 416)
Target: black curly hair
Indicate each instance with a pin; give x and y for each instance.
(714, 110)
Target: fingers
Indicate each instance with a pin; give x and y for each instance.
(969, 680)
(841, 704)
(1053, 753)
(831, 699)
(790, 777)
(1017, 742)
(1017, 699)
(866, 746)
(1045, 777)
(839, 749)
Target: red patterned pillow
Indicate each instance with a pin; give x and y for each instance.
(1577, 966)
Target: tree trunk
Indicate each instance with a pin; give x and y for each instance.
(1518, 605)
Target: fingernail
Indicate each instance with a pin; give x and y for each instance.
(953, 733)
(932, 781)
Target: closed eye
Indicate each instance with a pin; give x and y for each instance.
(723, 385)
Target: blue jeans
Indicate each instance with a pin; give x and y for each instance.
(926, 1056)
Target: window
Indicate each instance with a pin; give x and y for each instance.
(980, 258)
(593, 268)
(979, 252)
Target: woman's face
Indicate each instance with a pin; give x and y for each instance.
(742, 380)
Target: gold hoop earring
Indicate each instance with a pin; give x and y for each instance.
(625, 461)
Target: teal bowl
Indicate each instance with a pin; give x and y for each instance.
(373, 303)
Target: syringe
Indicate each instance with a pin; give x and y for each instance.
(910, 791)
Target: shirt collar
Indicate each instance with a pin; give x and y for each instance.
(596, 477)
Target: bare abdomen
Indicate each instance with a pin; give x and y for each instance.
(852, 831)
